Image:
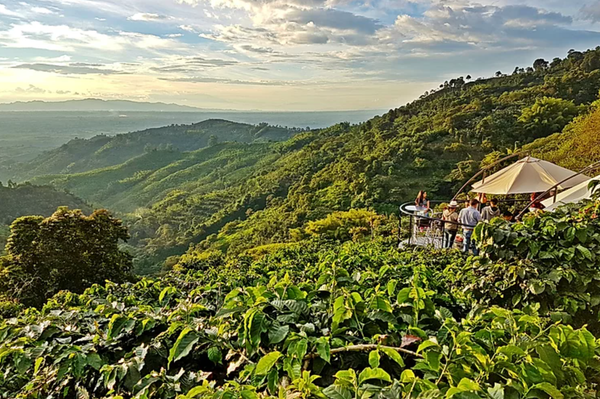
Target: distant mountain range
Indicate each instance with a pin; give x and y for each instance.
(94, 104)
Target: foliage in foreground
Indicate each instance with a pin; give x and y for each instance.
(356, 321)
(550, 259)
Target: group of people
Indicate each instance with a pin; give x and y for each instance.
(467, 218)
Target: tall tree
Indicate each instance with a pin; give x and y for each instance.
(540, 64)
(67, 251)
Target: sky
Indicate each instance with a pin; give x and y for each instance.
(295, 55)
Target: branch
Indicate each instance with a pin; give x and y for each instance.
(366, 348)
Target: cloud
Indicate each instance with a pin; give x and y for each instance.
(191, 65)
(295, 22)
(188, 28)
(7, 12)
(31, 89)
(148, 17)
(65, 38)
(477, 27)
(42, 10)
(256, 49)
(201, 79)
(590, 12)
(71, 69)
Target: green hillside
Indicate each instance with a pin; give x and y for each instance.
(234, 197)
(82, 155)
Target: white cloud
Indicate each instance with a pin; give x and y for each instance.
(42, 10)
(7, 12)
(36, 35)
(31, 89)
(148, 17)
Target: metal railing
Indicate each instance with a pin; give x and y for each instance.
(429, 229)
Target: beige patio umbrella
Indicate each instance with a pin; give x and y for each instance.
(528, 175)
(570, 196)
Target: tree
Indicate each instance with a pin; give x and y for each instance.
(498, 74)
(540, 64)
(213, 140)
(67, 251)
(548, 115)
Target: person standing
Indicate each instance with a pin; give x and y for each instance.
(491, 211)
(469, 218)
(422, 203)
(450, 216)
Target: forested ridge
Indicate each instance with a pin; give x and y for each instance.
(293, 286)
(81, 155)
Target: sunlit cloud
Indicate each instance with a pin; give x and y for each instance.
(311, 54)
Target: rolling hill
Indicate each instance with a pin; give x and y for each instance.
(82, 155)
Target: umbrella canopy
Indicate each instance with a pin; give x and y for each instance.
(570, 196)
(529, 175)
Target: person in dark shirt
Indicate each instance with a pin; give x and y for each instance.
(422, 203)
(491, 211)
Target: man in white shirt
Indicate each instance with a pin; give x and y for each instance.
(469, 218)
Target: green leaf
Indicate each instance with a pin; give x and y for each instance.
(277, 333)
(407, 376)
(38, 364)
(468, 385)
(426, 344)
(94, 360)
(582, 235)
(338, 392)
(373, 374)
(511, 350)
(215, 355)
(115, 325)
(247, 394)
(301, 348)
(374, 358)
(549, 389)
(394, 355)
(391, 287)
(184, 344)
(380, 303)
(585, 252)
(497, 392)
(266, 363)
(404, 295)
(537, 287)
(323, 349)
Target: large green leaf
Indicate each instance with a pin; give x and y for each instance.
(266, 363)
(323, 349)
(277, 333)
(550, 389)
(393, 354)
(373, 374)
(184, 344)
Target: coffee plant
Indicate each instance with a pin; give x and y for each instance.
(355, 320)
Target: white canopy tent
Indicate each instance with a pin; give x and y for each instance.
(570, 196)
(528, 175)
